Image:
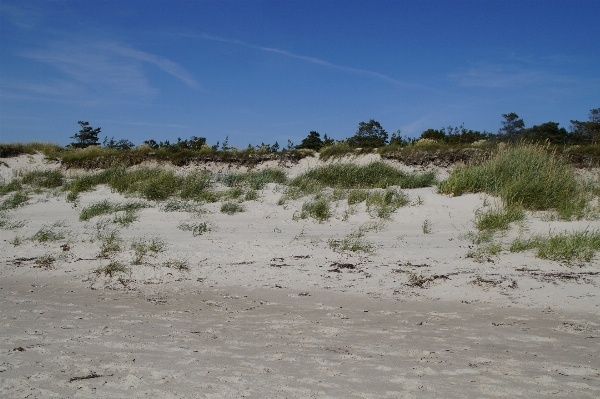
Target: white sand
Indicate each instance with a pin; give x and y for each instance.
(266, 310)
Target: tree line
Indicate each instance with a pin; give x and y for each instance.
(372, 135)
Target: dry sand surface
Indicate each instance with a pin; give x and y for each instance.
(268, 309)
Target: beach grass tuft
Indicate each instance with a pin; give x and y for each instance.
(565, 247)
(526, 176)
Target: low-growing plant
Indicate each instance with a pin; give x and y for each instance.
(197, 229)
(44, 178)
(16, 241)
(14, 185)
(565, 247)
(99, 208)
(357, 196)
(46, 261)
(231, 207)
(49, 233)
(142, 246)
(15, 200)
(484, 252)
(498, 218)
(178, 264)
(110, 242)
(427, 227)
(318, 209)
(8, 223)
(111, 269)
(383, 204)
(353, 242)
(106, 207)
(194, 185)
(251, 195)
(174, 205)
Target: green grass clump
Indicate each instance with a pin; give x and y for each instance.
(231, 207)
(14, 185)
(197, 229)
(564, 247)
(339, 150)
(174, 205)
(373, 175)
(178, 264)
(46, 261)
(353, 242)
(498, 218)
(110, 242)
(49, 233)
(318, 209)
(357, 196)
(106, 207)
(16, 200)
(524, 176)
(383, 204)
(111, 269)
(44, 178)
(143, 246)
(194, 185)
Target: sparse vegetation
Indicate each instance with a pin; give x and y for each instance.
(111, 269)
(178, 264)
(427, 227)
(197, 229)
(45, 261)
(564, 247)
(49, 233)
(110, 242)
(382, 204)
(15, 200)
(143, 246)
(231, 208)
(7, 223)
(44, 178)
(104, 207)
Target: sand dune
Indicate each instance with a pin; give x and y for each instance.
(261, 305)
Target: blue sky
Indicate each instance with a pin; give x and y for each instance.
(266, 71)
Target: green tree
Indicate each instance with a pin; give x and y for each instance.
(369, 135)
(548, 131)
(86, 137)
(512, 126)
(119, 145)
(312, 141)
(588, 131)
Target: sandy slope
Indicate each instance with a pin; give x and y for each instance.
(268, 309)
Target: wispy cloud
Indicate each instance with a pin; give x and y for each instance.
(23, 16)
(497, 76)
(312, 60)
(108, 67)
(166, 65)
